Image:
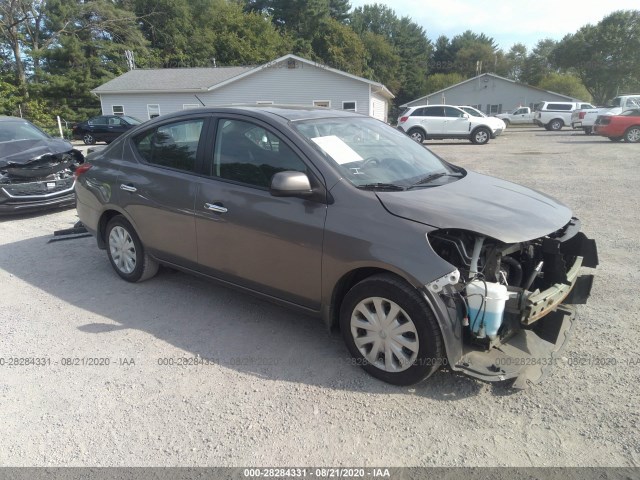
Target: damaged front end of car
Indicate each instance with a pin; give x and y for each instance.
(510, 305)
(37, 175)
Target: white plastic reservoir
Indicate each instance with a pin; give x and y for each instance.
(490, 314)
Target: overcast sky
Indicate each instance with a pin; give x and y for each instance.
(507, 21)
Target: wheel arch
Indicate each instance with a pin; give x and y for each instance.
(451, 331)
(419, 128)
(106, 216)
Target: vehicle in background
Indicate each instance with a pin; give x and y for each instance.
(586, 118)
(103, 128)
(437, 122)
(419, 262)
(625, 126)
(521, 116)
(555, 115)
(36, 170)
(496, 124)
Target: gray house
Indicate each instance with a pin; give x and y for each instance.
(491, 94)
(287, 80)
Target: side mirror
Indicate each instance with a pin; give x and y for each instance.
(465, 115)
(290, 184)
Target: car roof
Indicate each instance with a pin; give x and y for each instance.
(7, 118)
(275, 112)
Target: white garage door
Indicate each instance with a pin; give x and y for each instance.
(379, 109)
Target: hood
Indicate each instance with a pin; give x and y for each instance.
(479, 203)
(21, 152)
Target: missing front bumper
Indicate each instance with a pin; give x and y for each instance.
(526, 356)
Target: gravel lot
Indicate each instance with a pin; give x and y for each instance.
(279, 390)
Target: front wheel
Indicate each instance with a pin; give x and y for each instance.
(480, 136)
(556, 124)
(126, 253)
(88, 139)
(632, 135)
(588, 130)
(391, 331)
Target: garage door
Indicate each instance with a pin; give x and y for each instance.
(379, 109)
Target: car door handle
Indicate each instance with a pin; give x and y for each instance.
(215, 207)
(128, 188)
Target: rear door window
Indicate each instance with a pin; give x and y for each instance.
(434, 112)
(174, 145)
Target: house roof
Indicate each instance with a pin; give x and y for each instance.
(494, 76)
(188, 80)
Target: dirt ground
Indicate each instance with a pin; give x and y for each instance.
(117, 386)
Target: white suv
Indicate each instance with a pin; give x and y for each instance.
(426, 122)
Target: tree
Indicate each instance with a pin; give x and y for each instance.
(440, 81)
(340, 47)
(539, 62)
(565, 84)
(604, 56)
(516, 58)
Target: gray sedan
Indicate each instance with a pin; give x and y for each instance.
(418, 262)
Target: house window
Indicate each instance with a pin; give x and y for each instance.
(493, 109)
(264, 102)
(117, 109)
(153, 111)
(322, 103)
(189, 106)
(351, 106)
(477, 107)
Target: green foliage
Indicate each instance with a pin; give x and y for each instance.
(53, 52)
(439, 81)
(604, 56)
(565, 84)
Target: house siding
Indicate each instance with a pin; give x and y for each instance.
(487, 90)
(274, 82)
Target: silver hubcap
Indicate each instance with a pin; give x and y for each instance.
(123, 250)
(417, 136)
(481, 136)
(634, 135)
(88, 139)
(384, 334)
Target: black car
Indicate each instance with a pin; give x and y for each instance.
(104, 128)
(36, 170)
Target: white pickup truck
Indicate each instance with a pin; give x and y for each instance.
(586, 118)
(521, 115)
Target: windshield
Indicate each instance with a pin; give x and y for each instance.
(20, 130)
(371, 154)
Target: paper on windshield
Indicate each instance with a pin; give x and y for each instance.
(337, 149)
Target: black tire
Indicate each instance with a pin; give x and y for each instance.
(480, 136)
(88, 139)
(632, 135)
(588, 130)
(556, 124)
(547, 128)
(506, 123)
(616, 139)
(427, 354)
(417, 134)
(124, 244)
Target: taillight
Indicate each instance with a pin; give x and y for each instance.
(81, 169)
(581, 115)
(403, 119)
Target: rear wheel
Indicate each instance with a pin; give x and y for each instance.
(417, 135)
(632, 135)
(391, 331)
(126, 253)
(556, 124)
(480, 136)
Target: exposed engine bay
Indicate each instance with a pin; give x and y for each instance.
(503, 288)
